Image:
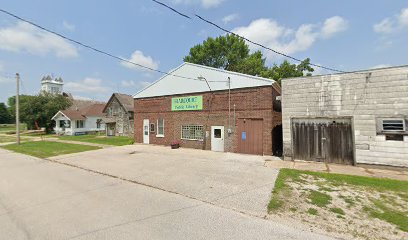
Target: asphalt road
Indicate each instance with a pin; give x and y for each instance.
(40, 199)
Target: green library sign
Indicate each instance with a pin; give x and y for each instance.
(191, 103)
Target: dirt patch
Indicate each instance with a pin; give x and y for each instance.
(345, 210)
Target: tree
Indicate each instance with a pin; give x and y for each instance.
(226, 52)
(231, 53)
(37, 111)
(4, 114)
(288, 70)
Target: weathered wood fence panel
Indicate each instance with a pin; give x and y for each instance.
(330, 141)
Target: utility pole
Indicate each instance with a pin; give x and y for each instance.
(229, 106)
(18, 108)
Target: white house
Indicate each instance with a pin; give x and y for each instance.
(77, 121)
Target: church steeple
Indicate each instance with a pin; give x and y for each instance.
(52, 85)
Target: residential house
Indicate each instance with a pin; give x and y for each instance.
(348, 118)
(119, 117)
(81, 118)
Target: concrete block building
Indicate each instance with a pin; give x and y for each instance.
(350, 118)
(210, 109)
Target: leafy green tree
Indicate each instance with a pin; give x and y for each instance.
(231, 53)
(288, 70)
(227, 52)
(37, 111)
(4, 114)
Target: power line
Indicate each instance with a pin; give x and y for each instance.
(95, 49)
(250, 41)
(172, 9)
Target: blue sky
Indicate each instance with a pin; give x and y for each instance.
(347, 35)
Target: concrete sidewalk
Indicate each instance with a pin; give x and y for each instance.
(363, 170)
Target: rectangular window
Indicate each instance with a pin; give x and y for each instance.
(98, 123)
(80, 123)
(393, 125)
(192, 132)
(62, 124)
(160, 128)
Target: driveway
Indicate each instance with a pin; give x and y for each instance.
(40, 199)
(233, 181)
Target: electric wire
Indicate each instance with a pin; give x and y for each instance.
(96, 49)
(248, 40)
(172, 9)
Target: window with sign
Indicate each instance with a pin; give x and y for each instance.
(192, 132)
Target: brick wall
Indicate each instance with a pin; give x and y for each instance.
(249, 103)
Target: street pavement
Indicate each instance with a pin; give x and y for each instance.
(41, 199)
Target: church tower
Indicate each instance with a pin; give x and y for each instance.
(50, 85)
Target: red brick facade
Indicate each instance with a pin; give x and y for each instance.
(250, 103)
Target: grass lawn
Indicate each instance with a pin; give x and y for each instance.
(6, 139)
(343, 204)
(116, 141)
(12, 127)
(44, 149)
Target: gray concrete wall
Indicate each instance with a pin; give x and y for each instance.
(364, 96)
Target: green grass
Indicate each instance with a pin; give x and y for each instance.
(4, 139)
(281, 188)
(380, 184)
(381, 211)
(7, 139)
(12, 127)
(386, 208)
(337, 211)
(44, 149)
(115, 141)
(312, 211)
(319, 199)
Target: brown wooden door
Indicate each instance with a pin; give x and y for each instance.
(328, 141)
(250, 136)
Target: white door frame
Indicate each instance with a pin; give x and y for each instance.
(146, 132)
(217, 143)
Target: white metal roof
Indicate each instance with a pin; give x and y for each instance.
(217, 79)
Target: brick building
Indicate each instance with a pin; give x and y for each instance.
(210, 109)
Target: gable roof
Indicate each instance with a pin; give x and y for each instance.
(90, 110)
(217, 79)
(126, 101)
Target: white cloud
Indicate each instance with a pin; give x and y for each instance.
(333, 25)
(88, 85)
(392, 24)
(77, 97)
(139, 85)
(203, 3)
(24, 37)
(128, 83)
(287, 40)
(230, 18)
(139, 58)
(380, 66)
(68, 26)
